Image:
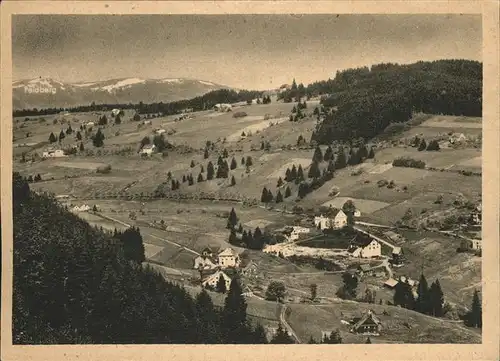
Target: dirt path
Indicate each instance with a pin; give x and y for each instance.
(283, 321)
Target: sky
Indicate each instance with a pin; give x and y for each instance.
(243, 51)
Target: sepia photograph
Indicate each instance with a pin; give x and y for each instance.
(246, 179)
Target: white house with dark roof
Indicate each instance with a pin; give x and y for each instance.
(228, 258)
(337, 220)
(365, 247)
(368, 324)
(211, 281)
(148, 149)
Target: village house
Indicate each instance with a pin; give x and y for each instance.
(148, 149)
(457, 138)
(397, 257)
(368, 324)
(471, 244)
(364, 247)
(211, 281)
(228, 258)
(250, 270)
(160, 131)
(223, 107)
(337, 220)
(115, 112)
(204, 263)
(147, 122)
(53, 153)
(364, 270)
(390, 283)
(89, 124)
(293, 233)
(357, 213)
(82, 208)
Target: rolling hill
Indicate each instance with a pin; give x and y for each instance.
(41, 92)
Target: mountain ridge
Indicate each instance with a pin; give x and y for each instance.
(45, 91)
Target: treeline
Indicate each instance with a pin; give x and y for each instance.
(75, 284)
(362, 102)
(206, 101)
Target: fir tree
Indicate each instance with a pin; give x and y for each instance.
(233, 164)
(333, 338)
(422, 145)
(184, 179)
(300, 173)
(232, 218)
(318, 155)
(200, 178)
(208, 319)
(69, 130)
(328, 153)
(243, 161)
(314, 171)
(264, 195)
(98, 139)
(281, 337)
(61, 135)
(371, 154)
(249, 161)
(422, 303)
(280, 182)
(475, 316)
(288, 175)
(340, 161)
(270, 196)
(81, 147)
(190, 180)
(233, 181)
(225, 153)
(192, 164)
(52, 138)
(279, 197)
(293, 173)
(221, 285)
(210, 171)
(235, 326)
(205, 154)
(436, 299)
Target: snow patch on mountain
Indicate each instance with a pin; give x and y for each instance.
(123, 84)
(206, 82)
(171, 80)
(82, 85)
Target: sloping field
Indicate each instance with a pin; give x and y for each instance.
(150, 250)
(364, 205)
(311, 320)
(304, 162)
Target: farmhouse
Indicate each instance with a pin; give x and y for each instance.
(390, 283)
(471, 244)
(457, 138)
(368, 324)
(357, 213)
(115, 112)
(148, 149)
(337, 220)
(397, 257)
(160, 131)
(364, 247)
(204, 263)
(250, 270)
(363, 269)
(294, 232)
(211, 281)
(210, 251)
(89, 124)
(228, 258)
(82, 208)
(53, 153)
(146, 122)
(223, 107)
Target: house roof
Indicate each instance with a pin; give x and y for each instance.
(228, 252)
(396, 250)
(364, 267)
(391, 282)
(361, 241)
(149, 146)
(368, 319)
(216, 275)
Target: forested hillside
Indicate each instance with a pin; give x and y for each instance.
(362, 102)
(76, 284)
(206, 101)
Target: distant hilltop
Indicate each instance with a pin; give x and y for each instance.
(47, 92)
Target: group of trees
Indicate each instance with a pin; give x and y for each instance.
(255, 241)
(421, 144)
(297, 113)
(30, 178)
(296, 92)
(90, 288)
(365, 101)
(429, 300)
(408, 163)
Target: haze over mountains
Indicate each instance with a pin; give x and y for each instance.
(41, 92)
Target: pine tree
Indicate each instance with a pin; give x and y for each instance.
(318, 155)
(232, 218)
(264, 196)
(422, 145)
(280, 182)
(221, 285)
(436, 299)
(288, 192)
(270, 196)
(200, 178)
(205, 154)
(233, 181)
(300, 173)
(208, 318)
(133, 245)
(190, 180)
(262, 145)
(279, 197)
(235, 326)
(243, 161)
(225, 153)
(69, 130)
(328, 153)
(475, 316)
(293, 173)
(98, 139)
(340, 161)
(78, 135)
(422, 303)
(61, 135)
(233, 164)
(281, 336)
(240, 228)
(333, 338)
(288, 175)
(184, 179)
(249, 161)
(192, 164)
(201, 168)
(52, 138)
(210, 171)
(314, 171)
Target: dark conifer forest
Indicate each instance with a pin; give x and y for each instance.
(75, 284)
(362, 102)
